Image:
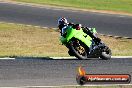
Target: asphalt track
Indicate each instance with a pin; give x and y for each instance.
(117, 25)
(48, 72)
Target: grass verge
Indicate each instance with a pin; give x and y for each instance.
(21, 40)
(110, 5)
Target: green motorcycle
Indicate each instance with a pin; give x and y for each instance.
(82, 46)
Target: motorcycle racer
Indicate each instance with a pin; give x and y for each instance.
(63, 25)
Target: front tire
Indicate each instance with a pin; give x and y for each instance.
(79, 49)
(71, 53)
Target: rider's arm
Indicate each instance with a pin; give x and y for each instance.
(95, 38)
(71, 24)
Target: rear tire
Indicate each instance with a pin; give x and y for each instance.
(106, 55)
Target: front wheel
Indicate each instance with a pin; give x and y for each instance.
(79, 49)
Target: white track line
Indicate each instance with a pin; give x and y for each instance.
(98, 85)
(57, 58)
(7, 58)
(121, 56)
(75, 57)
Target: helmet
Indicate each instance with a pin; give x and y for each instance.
(62, 21)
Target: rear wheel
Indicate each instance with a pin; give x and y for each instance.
(106, 54)
(79, 49)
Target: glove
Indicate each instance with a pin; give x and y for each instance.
(97, 40)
